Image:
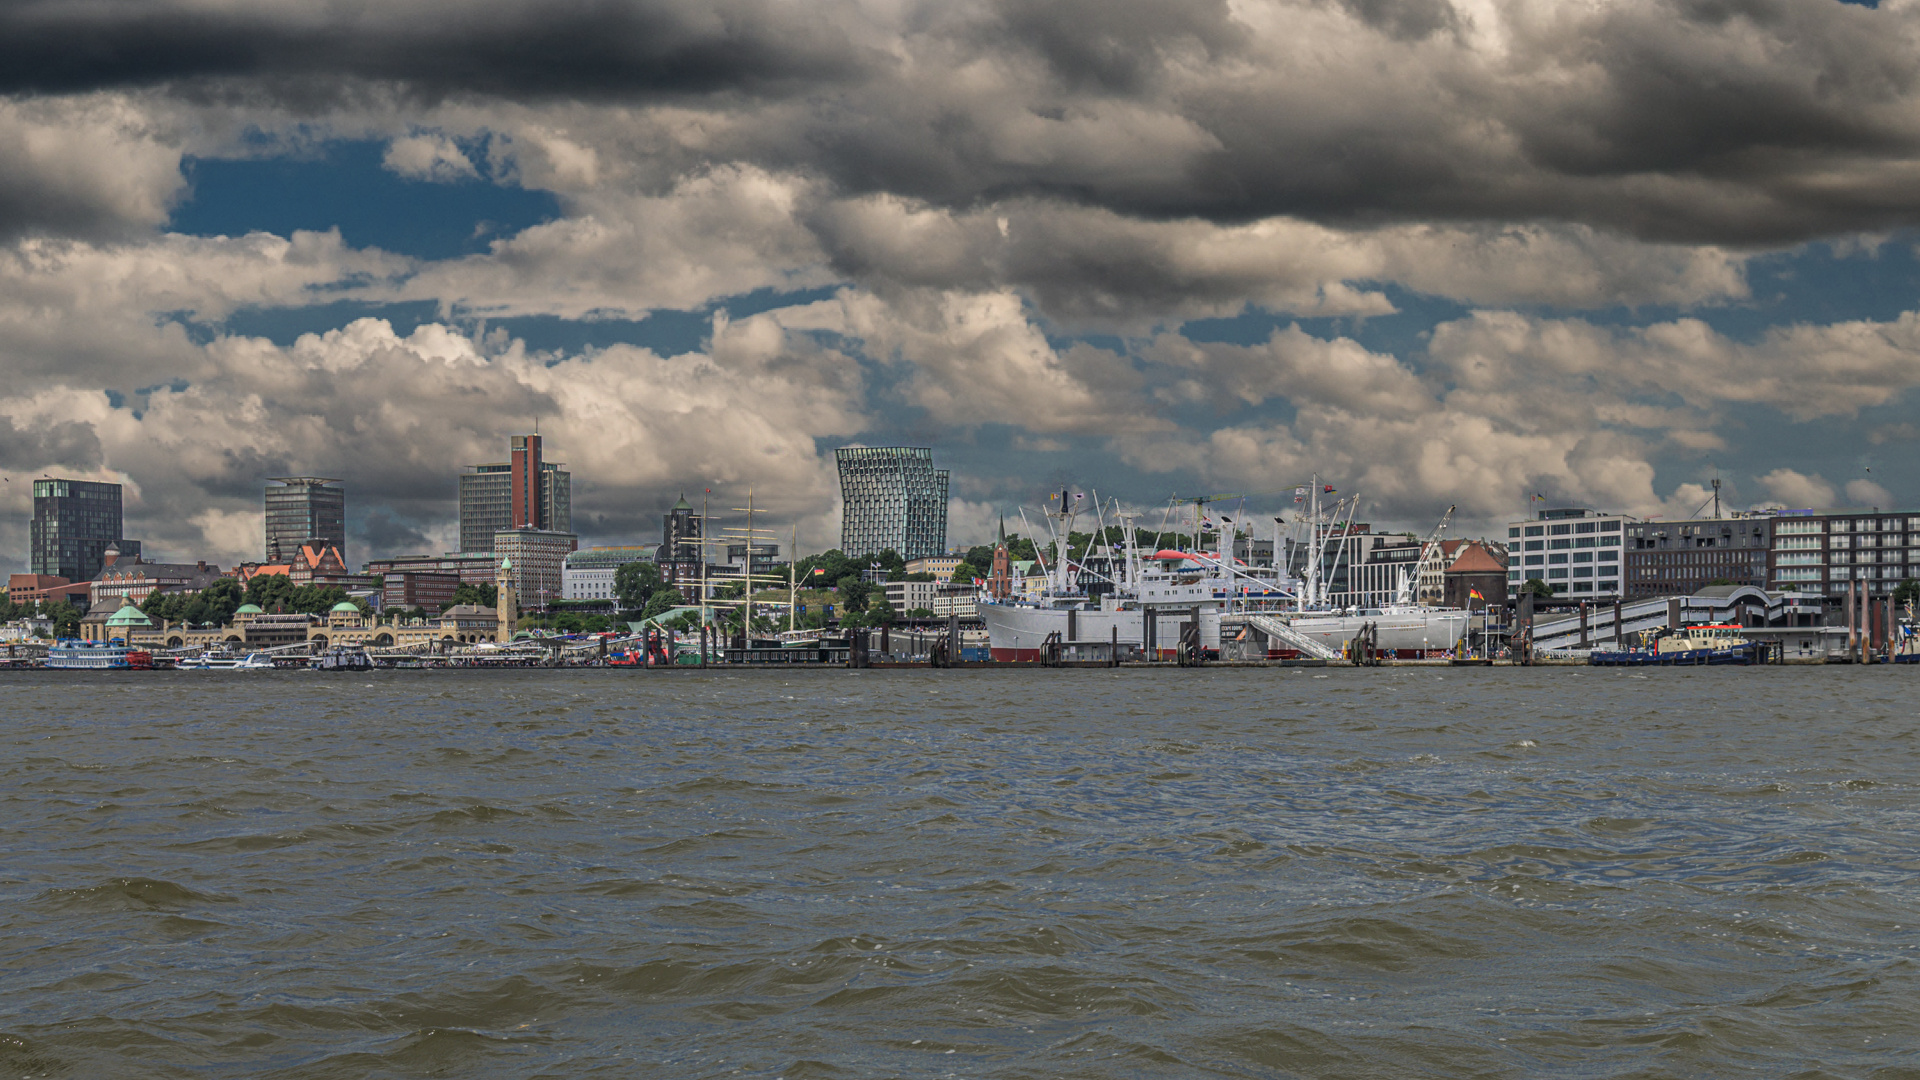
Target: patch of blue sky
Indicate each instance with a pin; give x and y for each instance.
(1814, 284)
(343, 184)
(283, 326)
(667, 332)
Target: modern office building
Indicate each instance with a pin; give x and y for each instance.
(766, 557)
(1669, 558)
(539, 558)
(305, 511)
(524, 492)
(74, 523)
(1574, 550)
(1821, 552)
(588, 574)
(892, 499)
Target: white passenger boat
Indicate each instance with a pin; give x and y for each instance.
(218, 662)
(96, 656)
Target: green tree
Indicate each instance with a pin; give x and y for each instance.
(1907, 593)
(271, 592)
(66, 619)
(826, 569)
(217, 602)
(318, 599)
(635, 583)
(1537, 588)
(487, 595)
(853, 593)
(918, 613)
(880, 610)
(966, 572)
(662, 601)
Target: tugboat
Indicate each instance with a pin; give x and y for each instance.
(1716, 644)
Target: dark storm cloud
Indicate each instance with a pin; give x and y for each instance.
(591, 49)
(1405, 20)
(1728, 121)
(1115, 45)
(67, 444)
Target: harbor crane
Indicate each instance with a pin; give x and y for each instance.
(1430, 550)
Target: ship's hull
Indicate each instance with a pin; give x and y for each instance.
(1017, 633)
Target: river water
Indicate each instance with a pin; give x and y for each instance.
(1339, 873)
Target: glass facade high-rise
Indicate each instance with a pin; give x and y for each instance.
(488, 496)
(893, 499)
(304, 510)
(74, 523)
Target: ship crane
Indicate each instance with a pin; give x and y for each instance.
(1430, 549)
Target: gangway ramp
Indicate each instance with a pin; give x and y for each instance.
(1280, 635)
(1720, 604)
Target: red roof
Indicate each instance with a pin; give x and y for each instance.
(1475, 559)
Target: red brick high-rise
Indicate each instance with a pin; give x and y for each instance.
(526, 483)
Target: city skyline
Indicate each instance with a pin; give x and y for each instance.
(1141, 249)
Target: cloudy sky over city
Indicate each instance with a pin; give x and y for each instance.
(1435, 251)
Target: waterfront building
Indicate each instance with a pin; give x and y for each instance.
(122, 620)
(1821, 552)
(304, 511)
(132, 580)
(955, 600)
(314, 565)
(892, 499)
(940, 566)
(538, 556)
(1682, 557)
(588, 574)
(1474, 565)
(476, 568)
(1576, 551)
(905, 596)
(680, 557)
(74, 523)
(32, 588)
(766, 557)
(409, 589)
(524, 492)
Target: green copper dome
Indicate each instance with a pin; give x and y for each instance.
(248, 609)
(128, 615)
(345, 607)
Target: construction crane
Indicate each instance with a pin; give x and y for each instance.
(1430, 549)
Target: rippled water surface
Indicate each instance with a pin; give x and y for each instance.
(1364, 873)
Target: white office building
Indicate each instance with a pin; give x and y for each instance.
(1576, 551)
(589, 574)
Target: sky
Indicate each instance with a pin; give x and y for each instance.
(1435, 252)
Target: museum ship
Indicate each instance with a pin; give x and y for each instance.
(1144, 600)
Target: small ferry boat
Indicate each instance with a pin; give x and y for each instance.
(217, 662)
(1689, 645)
(75, 655)
(340, 658)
